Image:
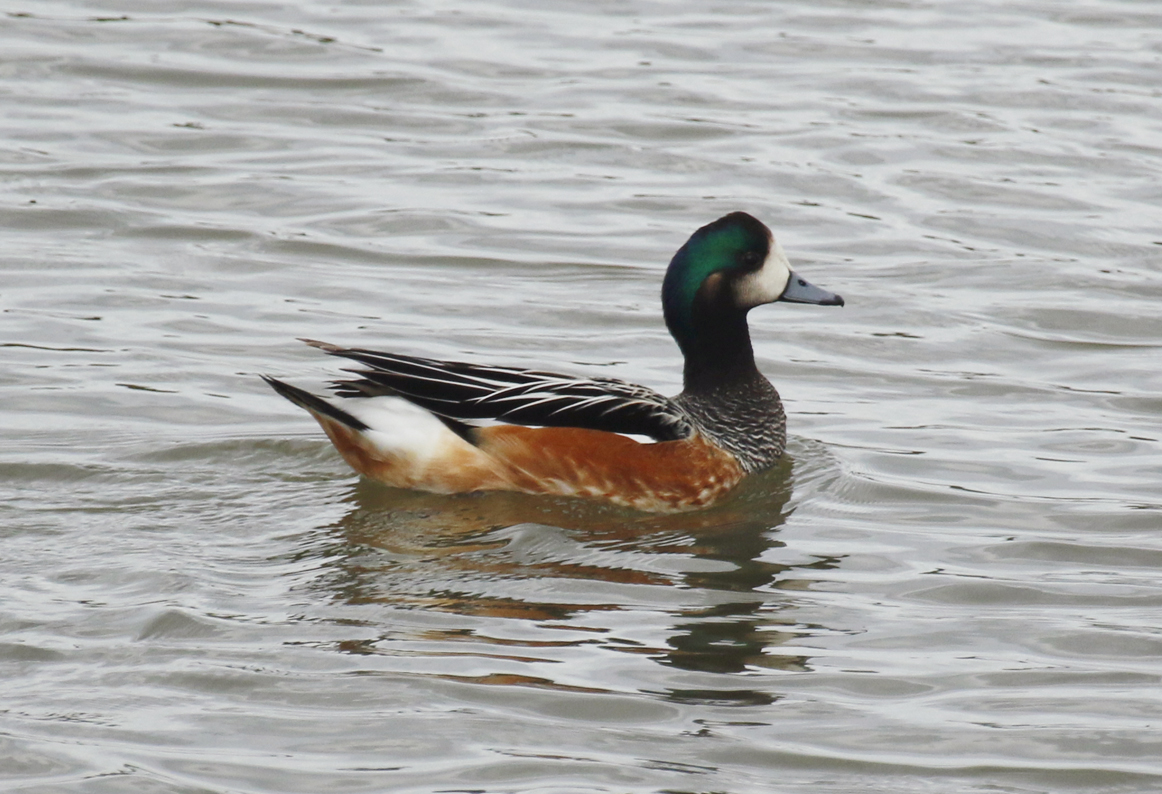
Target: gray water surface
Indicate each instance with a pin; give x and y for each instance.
(952, 584)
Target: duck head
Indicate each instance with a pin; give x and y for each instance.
(723, 271)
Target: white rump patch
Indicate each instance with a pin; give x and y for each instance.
(401, 428)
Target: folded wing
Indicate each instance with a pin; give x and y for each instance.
(521, 396)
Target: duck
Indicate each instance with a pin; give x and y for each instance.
(453, 427)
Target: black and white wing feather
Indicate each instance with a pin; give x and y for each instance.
(521, 396)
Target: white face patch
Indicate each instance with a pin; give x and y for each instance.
(766, 284)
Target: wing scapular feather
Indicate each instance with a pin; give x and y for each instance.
(521, 396)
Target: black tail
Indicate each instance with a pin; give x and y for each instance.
(304, 399)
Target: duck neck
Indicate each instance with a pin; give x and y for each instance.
(719, 354)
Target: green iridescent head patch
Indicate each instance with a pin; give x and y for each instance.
(719, 246)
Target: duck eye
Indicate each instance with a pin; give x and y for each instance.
(750, 258)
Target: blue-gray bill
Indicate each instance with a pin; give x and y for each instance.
(800, 290)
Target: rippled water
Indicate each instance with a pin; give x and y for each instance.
(951, 585)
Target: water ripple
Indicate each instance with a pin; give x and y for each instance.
(951, 582)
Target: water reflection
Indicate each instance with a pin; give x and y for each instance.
(702, 581)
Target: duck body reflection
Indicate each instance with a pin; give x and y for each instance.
(525, 578)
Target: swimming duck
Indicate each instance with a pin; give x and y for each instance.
(407, 421)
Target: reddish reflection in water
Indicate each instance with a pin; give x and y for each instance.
(548, 563)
